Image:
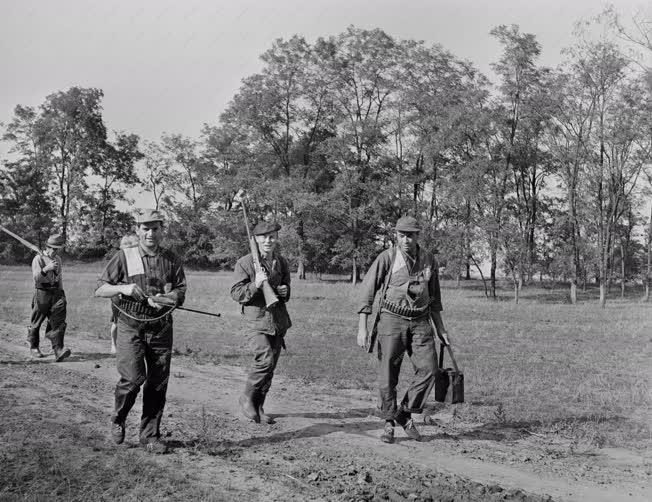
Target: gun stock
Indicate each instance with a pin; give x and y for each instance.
(270, 296)
(373, 334)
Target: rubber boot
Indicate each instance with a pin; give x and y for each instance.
(248, 407)
(260, 401)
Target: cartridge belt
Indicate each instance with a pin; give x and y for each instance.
(141, 311)
(403, 311)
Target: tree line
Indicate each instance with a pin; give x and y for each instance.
(543, 173)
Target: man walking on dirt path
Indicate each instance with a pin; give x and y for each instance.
(49, 300)
(408, 276)
(127, 241)
(153, 279)
(265, 327)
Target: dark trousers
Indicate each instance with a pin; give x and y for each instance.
(143, 358)
(266, 350)
(396, 336)
(48, 304)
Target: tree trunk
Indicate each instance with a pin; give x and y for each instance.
(574, 242)
(622, 270)
(603, 293)
(467, 239)
(354, 271)
(494, 264)
(516, 290)
(301, 269)
(648, 276)
(484, 282)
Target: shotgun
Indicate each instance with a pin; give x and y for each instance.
(373, 334)
(270, 296)
(22, 241)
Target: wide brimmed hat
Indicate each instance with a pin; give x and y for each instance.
(55, 241)
(407, 224)
(264, 227)
(149, 216)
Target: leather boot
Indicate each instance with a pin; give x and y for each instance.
(260, 401)
(248, 407)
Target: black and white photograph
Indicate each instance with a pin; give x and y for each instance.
(337, 250)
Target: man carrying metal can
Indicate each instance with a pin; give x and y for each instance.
(408, 277)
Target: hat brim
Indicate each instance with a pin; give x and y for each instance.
(149, 221)
(276, 228)
(55, 246)
(408, 229)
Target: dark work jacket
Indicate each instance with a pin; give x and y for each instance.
(424, 270)
(260, 319)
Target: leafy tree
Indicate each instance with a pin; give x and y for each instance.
(115, 172)
(25, 204)
(72, 139)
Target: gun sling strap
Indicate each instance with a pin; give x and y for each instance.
(140, 311)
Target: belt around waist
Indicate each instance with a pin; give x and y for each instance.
(403, 311)
(51, 285)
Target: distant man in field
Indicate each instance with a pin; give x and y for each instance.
(147, 278)
(265, 328)
(127, 241)
(49, 301)
(412, 294)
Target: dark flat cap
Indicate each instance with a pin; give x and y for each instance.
(264, 227)
(149, 216)
(407, 224)
(55, 241)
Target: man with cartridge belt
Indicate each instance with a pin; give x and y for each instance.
(409, 277)
(49, 300)
(264, 326)
(141, 281)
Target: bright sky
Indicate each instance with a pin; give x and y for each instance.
(172, 65)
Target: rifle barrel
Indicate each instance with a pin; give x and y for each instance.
(200, 311)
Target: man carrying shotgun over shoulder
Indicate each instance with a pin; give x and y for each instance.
(144, 282)
(49, 300)
(262, 287)
(408, 281)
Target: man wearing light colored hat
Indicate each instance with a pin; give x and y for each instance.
(264, 326)
(408, 276)
(140, 281)
(49, 300)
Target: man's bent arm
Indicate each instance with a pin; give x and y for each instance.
(107, 290)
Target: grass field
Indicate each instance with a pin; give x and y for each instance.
(542, 364)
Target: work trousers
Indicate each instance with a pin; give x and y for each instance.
(266, 350)
(396, 336)
(143, 358)
(48, 304)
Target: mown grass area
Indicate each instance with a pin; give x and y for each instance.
(543, 363)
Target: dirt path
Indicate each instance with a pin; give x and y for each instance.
(324, 445)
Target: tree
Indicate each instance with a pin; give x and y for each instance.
(572, 112)
(157, 177)
(361, 67)
(519, 123)
(25, 204)
(72, 138)
(115, 170)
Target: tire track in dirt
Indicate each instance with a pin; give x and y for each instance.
(204, 427)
